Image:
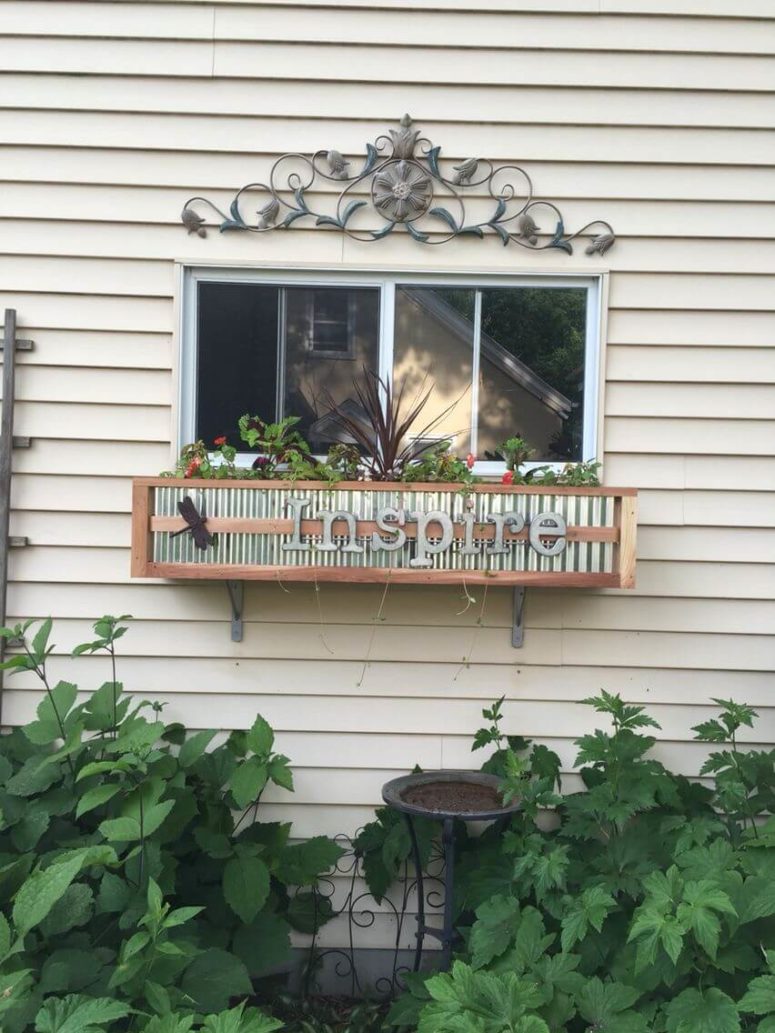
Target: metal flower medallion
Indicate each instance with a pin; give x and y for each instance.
(402, 191)
(400, 179)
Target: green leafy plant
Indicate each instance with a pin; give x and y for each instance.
(642, 904)
(197, 460)
(515, 452)
(382, 429)
(139, 889)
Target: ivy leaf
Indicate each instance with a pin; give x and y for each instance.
(709, 1011)
(759, 998)
(494, 929)
(246, 886)
(77, 1014)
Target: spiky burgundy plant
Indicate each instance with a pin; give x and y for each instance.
(381, 431)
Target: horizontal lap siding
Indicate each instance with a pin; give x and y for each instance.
(656, 116)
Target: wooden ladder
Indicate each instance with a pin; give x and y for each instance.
(10, 345)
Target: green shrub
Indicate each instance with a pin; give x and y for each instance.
(139, 890)
(644, 904)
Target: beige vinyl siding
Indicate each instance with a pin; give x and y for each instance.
(654, 115)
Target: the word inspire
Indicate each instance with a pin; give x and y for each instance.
(434, 532)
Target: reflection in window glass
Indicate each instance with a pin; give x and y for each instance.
(277, 351)
(434, 338)
(330, 335)
(531, 377)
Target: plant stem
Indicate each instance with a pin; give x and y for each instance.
(41, 673)
(112, 650)
(377, 618)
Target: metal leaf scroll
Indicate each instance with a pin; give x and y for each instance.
(196, 524)
(402, 183)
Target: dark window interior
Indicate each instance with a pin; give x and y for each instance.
(237, 367)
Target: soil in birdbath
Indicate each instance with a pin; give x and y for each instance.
(453, 797)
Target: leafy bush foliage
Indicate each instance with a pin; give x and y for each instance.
(139, 890)
(643, 904)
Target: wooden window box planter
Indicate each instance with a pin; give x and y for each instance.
(387, 532)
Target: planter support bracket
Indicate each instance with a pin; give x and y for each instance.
(236, 590)
(518, 625)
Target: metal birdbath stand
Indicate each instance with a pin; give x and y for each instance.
(444, 796)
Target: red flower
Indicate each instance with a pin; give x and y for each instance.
(470, 460)
(508, 477)
(220, 441)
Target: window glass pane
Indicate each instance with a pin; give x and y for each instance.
(331, 334)
(531, 379)
(237, 357)
(434, 336)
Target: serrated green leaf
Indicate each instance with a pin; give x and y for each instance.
(213, 978)
(27, 832)
(40, 641)
(158, 997)
(77, 1014)
(246, 886)
(121, 830)
(134, 944)
(260, 737)
(264, 943)
(95, 798)
(193, 748)
(34, 776)
(56, 705)
(42, 890)
(248, 781)
(5, 936)
(303, 863)
(280, 772)
(308, 911)
(759, 997)
(695, 1011)
(495, 927)
(74, 908)
(180, 916)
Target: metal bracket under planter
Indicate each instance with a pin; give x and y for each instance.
(236, 590)
(518, 623)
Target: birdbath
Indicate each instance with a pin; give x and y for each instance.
(444, 796)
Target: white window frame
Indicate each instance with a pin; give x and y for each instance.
(387, 281)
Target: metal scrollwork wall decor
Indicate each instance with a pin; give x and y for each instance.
(402, 182)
